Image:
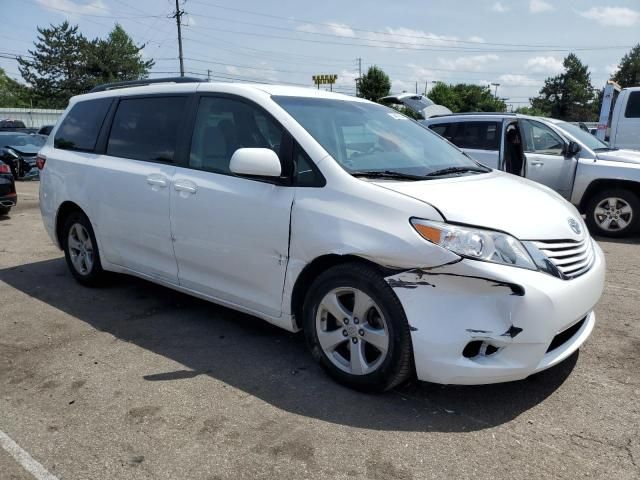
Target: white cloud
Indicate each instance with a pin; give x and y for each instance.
(611, 69)
(544, 65)
(511, 80)
(333, 28)
(499, 7)
(613, 16)
(472, 63)
(95, 7)
(540, 6)
(390, 36)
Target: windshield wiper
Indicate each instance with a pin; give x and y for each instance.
(386, 174)
(447, 171)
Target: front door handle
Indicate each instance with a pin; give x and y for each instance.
(537, 164)
(157, 181)
(185, 186)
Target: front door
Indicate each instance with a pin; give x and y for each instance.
(545, 159)
(231, 234)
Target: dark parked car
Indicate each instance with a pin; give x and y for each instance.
(45, 130)
(11, 125)
(18, 150)
(8, 196)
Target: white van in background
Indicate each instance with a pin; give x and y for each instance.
(620, 127)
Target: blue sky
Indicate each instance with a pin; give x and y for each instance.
(515, 43)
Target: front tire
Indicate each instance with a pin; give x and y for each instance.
(356, 328)
(613, 213)
(81, 250)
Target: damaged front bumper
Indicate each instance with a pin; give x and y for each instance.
(476, 322)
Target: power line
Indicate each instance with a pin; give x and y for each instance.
(434, 38)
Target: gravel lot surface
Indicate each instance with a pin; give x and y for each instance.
(137, 381)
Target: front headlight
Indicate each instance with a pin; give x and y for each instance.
(475, 243)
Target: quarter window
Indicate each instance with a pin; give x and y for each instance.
(146, 128)
(633, 106)
(538, 138)
(80, 128)
(224, 125)
(478, 135)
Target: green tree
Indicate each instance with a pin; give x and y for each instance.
(116, 58)
(56, 68)
(12, 93)
(64, 63)
(569, 96)
(466, 97)
(374, 85)
(531, 111)
(628, 73)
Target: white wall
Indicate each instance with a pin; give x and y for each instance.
(32, 117)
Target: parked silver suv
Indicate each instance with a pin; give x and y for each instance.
(602, 182)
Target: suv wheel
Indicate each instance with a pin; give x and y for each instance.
(81, 250)
(4, 211)
(356, 328)
(613, 213)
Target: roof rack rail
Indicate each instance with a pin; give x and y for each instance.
(144, 81)
(509, 114)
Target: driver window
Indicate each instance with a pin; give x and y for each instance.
(224, 125)
(538, 138)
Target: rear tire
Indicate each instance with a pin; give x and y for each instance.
(613, 213)
(81, 250)
(4, 211)
(369, 348)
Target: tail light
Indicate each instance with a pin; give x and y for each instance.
(40, 161)
(4, 168)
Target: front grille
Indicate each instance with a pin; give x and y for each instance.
(572, 258)
(563, 337)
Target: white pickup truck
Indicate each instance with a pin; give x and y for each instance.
(619, 122)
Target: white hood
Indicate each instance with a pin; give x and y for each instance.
(623, 155)
(498, 201)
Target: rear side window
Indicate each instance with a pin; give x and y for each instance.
(478, 135)
(80, 128)
(146, 128)
(633, 106)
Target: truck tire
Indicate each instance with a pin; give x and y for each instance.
(613, 213)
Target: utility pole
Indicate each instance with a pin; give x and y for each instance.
(208, 75)
(178, 16)
(359, 79)
(496, 92)
(426, 85)
(416, 88)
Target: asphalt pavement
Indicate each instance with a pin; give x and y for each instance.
(136, 381)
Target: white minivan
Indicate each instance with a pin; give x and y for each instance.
(394, 252)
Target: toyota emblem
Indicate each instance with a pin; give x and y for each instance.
(575, 226)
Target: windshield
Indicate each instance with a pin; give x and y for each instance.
(583, 137)
(365, 137)
(22, 140)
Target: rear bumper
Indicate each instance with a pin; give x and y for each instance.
(512, 315)
(8, 200)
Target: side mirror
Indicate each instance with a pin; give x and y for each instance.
(255, 162)
(572, 149)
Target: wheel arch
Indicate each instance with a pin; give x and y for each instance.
(315, 268)
(602, 184)
(66, 208)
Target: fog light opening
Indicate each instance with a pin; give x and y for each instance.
(477, 348)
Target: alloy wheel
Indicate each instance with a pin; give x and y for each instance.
(613, 214)
(352, 331)
(80, 249)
